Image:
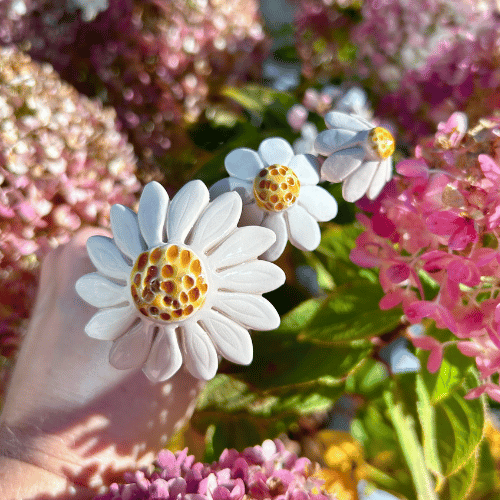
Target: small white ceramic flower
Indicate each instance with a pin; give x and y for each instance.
(279, 192)
(358, 154)
(179, 281)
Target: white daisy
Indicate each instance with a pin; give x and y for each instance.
(179, 281)
(358, 154)
(279, 192)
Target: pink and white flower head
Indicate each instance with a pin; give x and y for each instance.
(180, 282)
(279, 191)
(358, 154)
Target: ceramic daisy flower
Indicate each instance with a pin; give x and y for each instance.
(358, 154)
(179, 281)
(279, 191)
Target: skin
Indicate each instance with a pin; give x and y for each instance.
(71, 423)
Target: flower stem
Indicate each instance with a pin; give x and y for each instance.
(411, 447)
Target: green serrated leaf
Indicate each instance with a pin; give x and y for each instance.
(404, 425)
(299, 317)
(255, 98)
(466, 420)
(351, 312)
(427, 417)
(280, 363)
(461, 484)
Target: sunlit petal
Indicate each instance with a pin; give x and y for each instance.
(185, 208)
(106, 257)
(109, 324)
(152, 213)
(200, 354)
(99, 291)
(132, 348)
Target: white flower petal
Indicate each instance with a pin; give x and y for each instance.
(243, 188)
(243, 163)
(232, 340)
(244, 244)
(251, 215)
(303, 230)
(165, 357)
(318, 202)
(356, 185)
(185, 208)
(378, 181)
(339, 120)
(257, 276)
(331, 140)
(341, 164)
(217, 222)
(131, 350)
(126, 232)
(152, 213)
(106, 257)
(306, 168)
(109, 324)
(99, 291)
(200, 354)
(275, 151)
(388, 166)
(251, 311)
(276, 223)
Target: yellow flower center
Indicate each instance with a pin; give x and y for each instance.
(276, 188)
(381, 142)
(168, 283)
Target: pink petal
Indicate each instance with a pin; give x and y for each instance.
(425, 342)
(443, 223)
(463, 271)
(490, 168)
(413, 168)
(398, 273)
(391, 299)
(362, 258)
(435, 359)
(466, 233)
(469, 349)
(420, 309)
(476, 392)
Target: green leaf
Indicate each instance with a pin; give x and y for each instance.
(452, 426)
(427, 417)
(462, 484)
(404, 425)
(300, 316)
(352, 312)
(256, 98)
(465, 419)
(282, 361)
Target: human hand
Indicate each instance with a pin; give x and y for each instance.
(71, 422)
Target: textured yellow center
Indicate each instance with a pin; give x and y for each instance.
(276, 188)
(381, 142)
(168, 283)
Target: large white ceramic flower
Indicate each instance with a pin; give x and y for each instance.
(279, 192)
(358, 154)
(179, 281)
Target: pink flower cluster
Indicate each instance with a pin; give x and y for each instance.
(437, 226)
(159, 64)
(63, 163)
(261, 472)
(385, 37)
(462, 74)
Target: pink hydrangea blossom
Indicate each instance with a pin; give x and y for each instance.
(63, 163)
(159, 64)
(435, 348)
(261, 472)
(433, 235)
